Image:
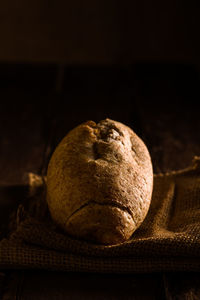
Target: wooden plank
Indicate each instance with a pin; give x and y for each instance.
(29, 95)
(166, 98)
(166, 101)
(2, 283)
(24, 131)
(57, 285)
(182, 286)
(23, 114)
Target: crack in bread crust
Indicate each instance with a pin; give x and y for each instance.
(111, 204)
(106, 130)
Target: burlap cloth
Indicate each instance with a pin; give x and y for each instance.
(168, 239)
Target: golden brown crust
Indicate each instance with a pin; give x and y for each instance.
(87, 224)
(104, 168)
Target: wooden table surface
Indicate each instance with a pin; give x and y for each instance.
(40, 104)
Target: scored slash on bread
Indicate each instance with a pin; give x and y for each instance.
(99, 182)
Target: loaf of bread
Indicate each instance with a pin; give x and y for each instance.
(99, 182)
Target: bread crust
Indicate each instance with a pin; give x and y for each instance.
(100, 172)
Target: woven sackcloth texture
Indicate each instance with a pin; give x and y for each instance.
(168, 239)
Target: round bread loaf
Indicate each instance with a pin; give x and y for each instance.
(99, 182)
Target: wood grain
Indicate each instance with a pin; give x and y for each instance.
(24, 132)
(169, 123)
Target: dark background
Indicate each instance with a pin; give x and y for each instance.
(99, 32)
(65, 62)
